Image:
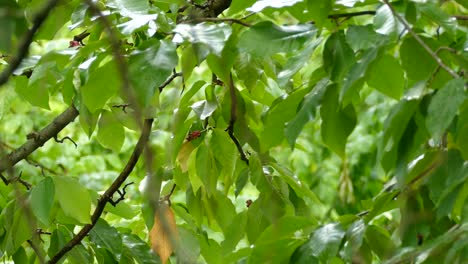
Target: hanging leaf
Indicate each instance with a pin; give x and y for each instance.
(164, 234)
(275, 38)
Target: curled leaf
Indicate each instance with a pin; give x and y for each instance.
(163, 234)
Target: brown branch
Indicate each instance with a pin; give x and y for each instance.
(27, 40)
(32, 161)
(40, 138)
(169, 80)
(460, 17)
(107, 196)
(230, 128)
(421, 42)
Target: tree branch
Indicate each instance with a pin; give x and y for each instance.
(421, 42)
(352, 14)
(169, 80)
(107, 196)
(39, 139)
(27, 40)
(230, 128)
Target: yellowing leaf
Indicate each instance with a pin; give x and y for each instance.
(163, 234)
(184, 155)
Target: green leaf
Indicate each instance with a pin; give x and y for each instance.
(323, 243)
(386, 75)
(338, 57)
(206, 168)
(297, 62)
(36, 91)
(150, 66)
(274, 38)
(74, 199)
(102, 84)
(42, 199)
(20, 256)
(105, 236)
(338, 123)
(111, 133)
(318, 11)
(262, 4)
(211, 36)
(362, 37)
(462, 130)
(444, 106)
(234, 232)
(418, 64)
(225, 154)
(354, 239)
(279, 113)
(221, 207)
(436, 14)
(306, 111)
(139, 249)
(394, 127)
(13, 25)
(285, 227)
(380, 241)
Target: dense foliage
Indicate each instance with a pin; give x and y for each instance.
(292, 131)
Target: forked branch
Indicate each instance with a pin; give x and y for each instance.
(107, 196)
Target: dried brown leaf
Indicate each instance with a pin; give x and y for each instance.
(164, 235)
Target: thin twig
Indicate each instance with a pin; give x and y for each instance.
(27, 40)
(63, 139)
(217, 19)
(123, 106)
(352, 14)
(421, 42)
(122, 195)
(39, 140)
(169, 80)
(107, 196)
(230, 128)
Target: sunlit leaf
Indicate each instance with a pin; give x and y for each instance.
(74, 199)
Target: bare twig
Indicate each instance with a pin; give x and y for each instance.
(168, 196)
(352, 14)
(216, 19)
(122, 195)
(421, 42)
(230, 128)
(61, 140)
(27, 40)
(123, 106)
(169, 80)
(107, 196)
(42, 137)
